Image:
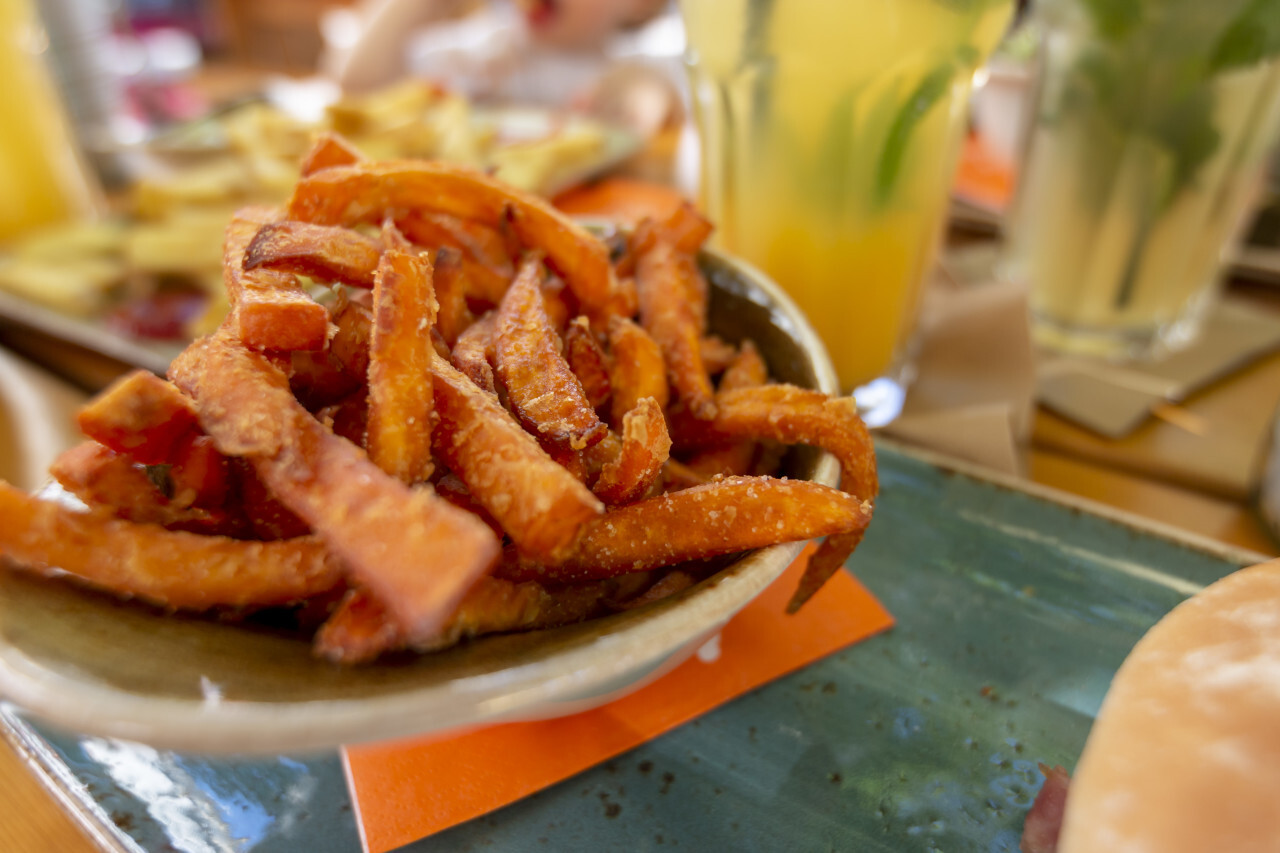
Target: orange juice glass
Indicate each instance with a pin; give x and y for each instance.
(829, 133)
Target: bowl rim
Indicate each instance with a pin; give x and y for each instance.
(553, 683)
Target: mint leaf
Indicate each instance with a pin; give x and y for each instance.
(1250, 39)
(927, 94)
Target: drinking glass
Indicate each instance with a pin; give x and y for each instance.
(1152, 126)
(829, 134)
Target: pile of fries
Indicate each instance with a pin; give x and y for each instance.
(165, 236)
(495, 421)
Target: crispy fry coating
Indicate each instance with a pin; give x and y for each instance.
(665, 281)
(735, 514)
(398, 432)
(359, 631)
(473, 353)
(644, 449)
(139, 560)
(345, 195)
(452, 286)
(636, 369)
(245, 404)
(792, 415)
(539, 504)
(587, 360)
(319, 251)
(484, 255)
(139, 414)
(268, 307)
(541, 388)
(328, 150)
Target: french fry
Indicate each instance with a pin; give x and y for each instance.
(346, 195)
(359, 630)
(268, 307)
(791, 415)
(139, 414)
(451, 286)
(485, 258)
(329, 150)
(669, 313)
(644, 449)
(537, 502)
(245, 404)
(321, 252)
(587, 360)
(353, 322)
(746, 370)
(541, 388)
(199, 474)
(473, 353)
(398, 432)
(735, 514)
(636, 369)
(137, 560)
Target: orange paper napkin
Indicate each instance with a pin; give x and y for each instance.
(402, 795)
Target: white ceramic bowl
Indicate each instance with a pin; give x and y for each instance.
(93, 664)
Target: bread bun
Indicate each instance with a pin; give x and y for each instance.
(1185, 752)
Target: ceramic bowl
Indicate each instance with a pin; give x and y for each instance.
(93, 664)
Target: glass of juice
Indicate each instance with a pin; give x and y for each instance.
(1151, 132)
(44, 177)
(829, 134)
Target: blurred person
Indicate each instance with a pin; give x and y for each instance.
(557, 53)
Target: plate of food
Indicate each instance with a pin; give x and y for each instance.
(452, 486)
(140, 282)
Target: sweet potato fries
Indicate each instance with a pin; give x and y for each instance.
(440, 408)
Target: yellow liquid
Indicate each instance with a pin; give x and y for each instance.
(1129, 271)
(830, 131)
(41, 174)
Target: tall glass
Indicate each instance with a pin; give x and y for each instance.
(1152, 126)
(42, 176)
(830, 131)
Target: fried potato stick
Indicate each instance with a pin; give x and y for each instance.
(733, 514)
(346, 195)
(451, 286)
(644, 449)
(791, 415)
(473, 352)
(269, 307)
(668, 313)
(538, 503)
(541, 388)
(322, 252)
(484, 256)
(398, 432)
(169, 568)
(139, 414)
(359, 631)
(329, 150)
(387, 533)
(636, 369)
(587, 360)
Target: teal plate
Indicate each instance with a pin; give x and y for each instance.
(1013, 613)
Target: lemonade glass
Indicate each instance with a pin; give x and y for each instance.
(829, 135)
